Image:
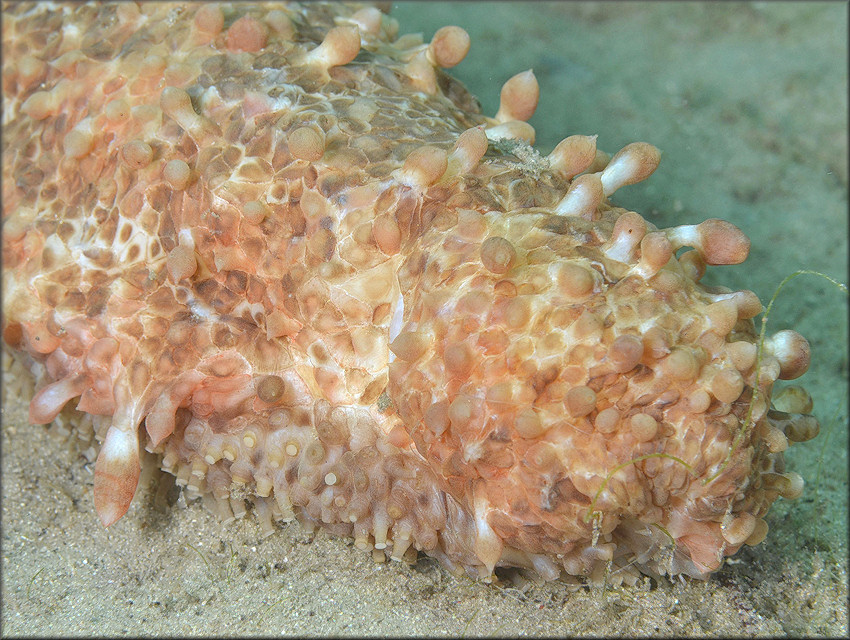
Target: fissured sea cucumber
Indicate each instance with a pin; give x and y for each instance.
(279, 247)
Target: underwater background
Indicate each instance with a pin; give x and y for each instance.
(748, 103)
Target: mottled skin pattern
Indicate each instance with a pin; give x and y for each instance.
(281, 248)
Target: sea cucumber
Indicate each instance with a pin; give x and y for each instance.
(282, 249)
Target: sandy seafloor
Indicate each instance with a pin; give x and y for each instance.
(749, 104)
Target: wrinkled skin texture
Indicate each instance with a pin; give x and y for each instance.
(284, 250)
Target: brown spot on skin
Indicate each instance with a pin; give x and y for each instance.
(137, 154)
(13, 334)
(409, 346)
(580, 401)
(681, 364)
(437, 417)
(332, 433)
(322, 244)
(78, 144)
(209, 19)
(458, 359)
(236, 281)
(387, 234)
(158, 197)
(181, 263)
(176, 173)
(575, 281)
(528, 424)
(271, 389)
(727, 385)
(643, 427)
(31, 70)
(306, 143)
(497, 255)
(246, 34)
(518, 313)
(625, 353)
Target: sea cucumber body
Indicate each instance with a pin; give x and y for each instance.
(279, 247)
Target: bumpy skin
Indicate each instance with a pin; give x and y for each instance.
(280, 247)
